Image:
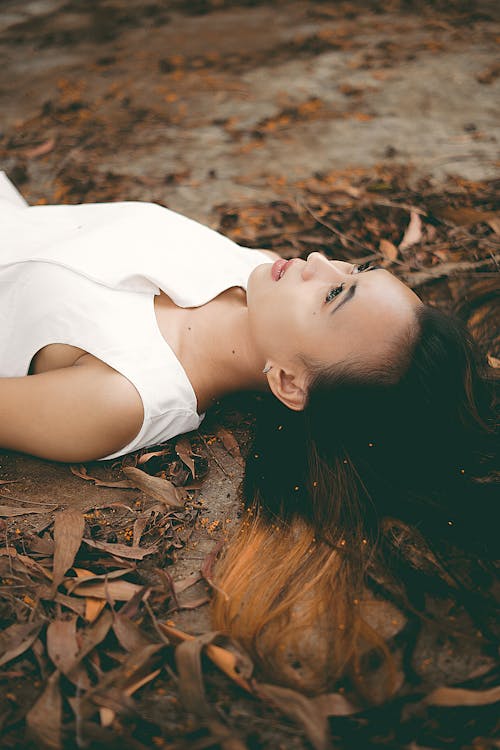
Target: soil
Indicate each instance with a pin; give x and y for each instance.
(288, 125)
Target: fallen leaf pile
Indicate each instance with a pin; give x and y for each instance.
(89, 652)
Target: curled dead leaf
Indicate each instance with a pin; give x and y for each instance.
(388, 250)
(40, 150)
(301, 709)
(230, 443)
(62, 645)
(122, 550)
(493, 361)
(129, 635)
(160, 489)
(120, 591)
(17, 639)
(222, 658)
(81, 472)
(45, 716)
(413, 232)
(68, 534)
(183, 450)
(146, 456)
(8, 511)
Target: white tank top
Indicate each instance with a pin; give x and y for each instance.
(86, 275)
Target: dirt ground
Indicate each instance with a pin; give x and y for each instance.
(289, 125)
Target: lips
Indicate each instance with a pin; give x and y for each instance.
(279, 267)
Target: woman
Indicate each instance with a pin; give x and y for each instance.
(130, 320)
(78, 285)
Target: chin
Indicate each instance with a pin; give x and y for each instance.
(253, 280)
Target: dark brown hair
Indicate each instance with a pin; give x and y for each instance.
(392, 470)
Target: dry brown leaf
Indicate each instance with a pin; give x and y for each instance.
(193, 604)
(488, 75)
(207, 567)
(139, 525)
(494, 223)
(32, 565)
(93, 608)
(136, 669)
(86, 576)
(417, 278)
(42, 545)
(447, 696)
(388, 250)
(68, 535)
(493, 361)
(123, 550)
(70, 602)
(464, 216)
(40, 150)
(146, 456)
(301, 709)
(17, 639)
(91, 637)
(230, 443)
(129, 635)
(221, 657)
(413, 233)
(81, 471)
(107, 716)
(134, 686)
(120, 591)
(160, 489)
(44, 718)
(63, 648)
(7, 511)
(62, 645)
(192, 692)
(185, 583)
(184, 451)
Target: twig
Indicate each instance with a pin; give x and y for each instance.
(393, 204)
(333, 229)
(212, 454)
(445, 269)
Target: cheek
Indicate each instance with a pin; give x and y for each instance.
(277, 322)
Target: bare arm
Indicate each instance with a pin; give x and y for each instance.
(77, 413)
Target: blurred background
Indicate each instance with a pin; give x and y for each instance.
(212, 102)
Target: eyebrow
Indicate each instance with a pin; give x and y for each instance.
(349, 295)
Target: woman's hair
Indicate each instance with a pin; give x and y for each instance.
(378, 482)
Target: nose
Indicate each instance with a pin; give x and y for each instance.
(320, 267)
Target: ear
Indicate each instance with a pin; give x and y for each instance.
(289, 386)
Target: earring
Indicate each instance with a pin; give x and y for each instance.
(267, 368)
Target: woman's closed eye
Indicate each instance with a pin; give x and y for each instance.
(368, 266)
(334, 292)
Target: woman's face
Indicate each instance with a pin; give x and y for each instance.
(326, 310)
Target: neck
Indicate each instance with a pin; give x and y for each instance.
(220, 340)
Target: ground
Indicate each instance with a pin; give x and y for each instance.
(363, 129)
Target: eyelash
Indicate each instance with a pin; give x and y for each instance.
(365, 266)
(338, 289)
(333, 292)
